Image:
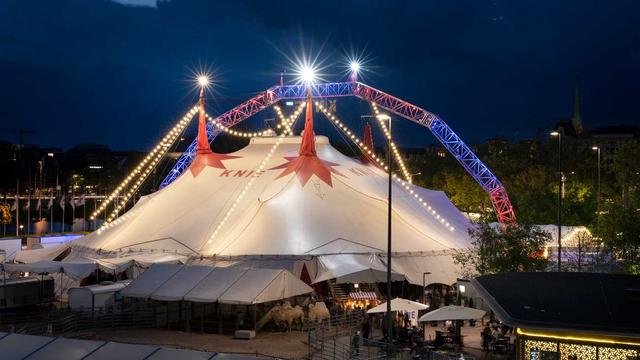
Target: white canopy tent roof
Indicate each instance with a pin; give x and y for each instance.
(398, 304)
(30, 347)
(354, 268)
(452, 312)
(280, 216)
(66, 349)
(292, 196)
(43, 254)
(209, 284)
(18, 346)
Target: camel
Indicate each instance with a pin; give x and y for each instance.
(286, 315)
(318, 312)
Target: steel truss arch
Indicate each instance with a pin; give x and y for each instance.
(447, 137)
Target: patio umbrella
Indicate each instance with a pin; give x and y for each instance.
(398, 304)
(452, 312)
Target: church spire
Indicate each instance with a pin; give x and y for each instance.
(576, 120)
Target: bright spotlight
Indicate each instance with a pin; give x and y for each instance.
(307, 74)
(355, 66)
(203, 80)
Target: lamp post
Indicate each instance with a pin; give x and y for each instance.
(412, 175)
(560, 178)
(383, 117)
(597, 148)
(424, 286)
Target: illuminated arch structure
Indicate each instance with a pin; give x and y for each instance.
(449, 139)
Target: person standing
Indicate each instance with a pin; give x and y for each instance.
(486, 337)
(355, 344)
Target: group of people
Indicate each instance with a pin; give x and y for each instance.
(492, 332)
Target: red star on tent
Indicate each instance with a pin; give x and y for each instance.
(308, 163)
(306, 166)
(204, 156)
(211, 159)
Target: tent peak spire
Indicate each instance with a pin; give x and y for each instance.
(308, 145)
(204, 155)
(203, 141)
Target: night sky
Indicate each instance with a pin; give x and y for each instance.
(114, 73)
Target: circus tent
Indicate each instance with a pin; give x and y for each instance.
(286, 202)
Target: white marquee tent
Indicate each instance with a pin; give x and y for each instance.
(208, 284)
(293, 199)
(452, 312)
(28, 347)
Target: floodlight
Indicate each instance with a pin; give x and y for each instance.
(203, 80)
(307, 74)
(355, 66)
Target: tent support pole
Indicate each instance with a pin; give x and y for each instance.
(204, 312)
(255, 315)
(4, 286)
(219, 313)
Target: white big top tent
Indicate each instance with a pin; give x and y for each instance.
(293, 215)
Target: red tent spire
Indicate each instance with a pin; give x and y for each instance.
(203, 141)
(308, 145)
(308, 163)
(204, 155)
(368, 142)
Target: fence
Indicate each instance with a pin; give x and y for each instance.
(68, 323)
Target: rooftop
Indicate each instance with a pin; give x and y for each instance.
(598, 303)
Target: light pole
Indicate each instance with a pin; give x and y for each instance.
(424, 286)
(383, 117)
(597, 148)
(560, 178)
(412, 175)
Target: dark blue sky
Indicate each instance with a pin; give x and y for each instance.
(99, 71)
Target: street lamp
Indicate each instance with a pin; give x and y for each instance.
(385, 117)
(597, 148)
(424, 286)
(560, 178)
(412, 175)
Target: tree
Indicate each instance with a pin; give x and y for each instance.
(510, 248)
(585, 253)
(465, 192)
(619, 229)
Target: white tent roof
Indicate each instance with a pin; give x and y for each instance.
(398, 304)
(150, 280)
(182, 282)
(264, 285)
(182, 354)
(208, 284)
(30, 347)
(66, 349)
(354, 268)
(123, 351)
(214, 285)
(279, 216)
(43, 254)
(18, 346)
(452, 312)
